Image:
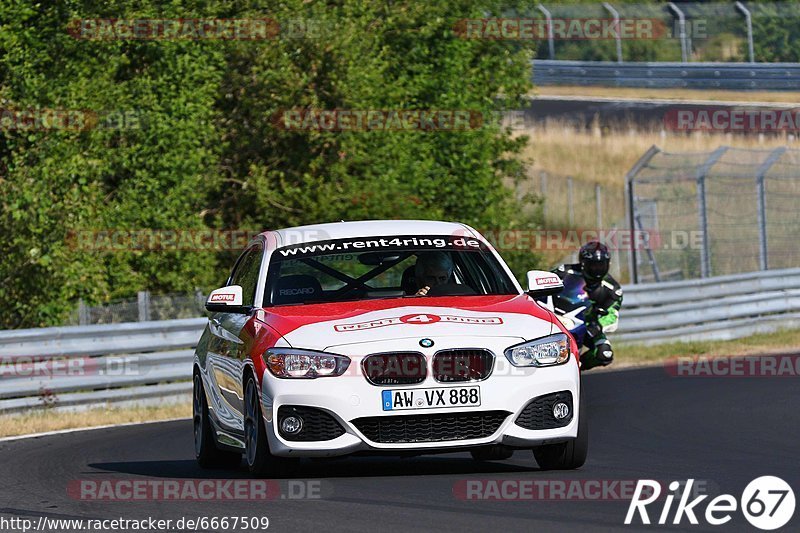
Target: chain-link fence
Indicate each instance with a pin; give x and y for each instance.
(684, 31)
(575, 211)
(575, 203)
(143, 308)
(708, 214)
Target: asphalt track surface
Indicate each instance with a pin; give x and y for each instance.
(622, 114)
(644, 424)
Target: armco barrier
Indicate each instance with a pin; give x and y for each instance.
(718, 308)
(146, 361)
(734, 76)
(85, 365)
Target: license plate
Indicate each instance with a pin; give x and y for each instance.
(405, 399)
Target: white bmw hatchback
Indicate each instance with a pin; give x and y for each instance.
(383, 337)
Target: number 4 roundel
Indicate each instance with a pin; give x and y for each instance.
(420, 319)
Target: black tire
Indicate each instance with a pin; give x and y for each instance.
(491, 453)
(205, 448)
(259, 459)
(567, 455)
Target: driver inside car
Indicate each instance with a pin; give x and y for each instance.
(432, 269)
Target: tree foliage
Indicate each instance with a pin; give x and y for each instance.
(205, 152)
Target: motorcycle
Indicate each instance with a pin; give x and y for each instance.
(573, 308)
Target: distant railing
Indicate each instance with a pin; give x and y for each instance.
(731, 76)
(143, 308)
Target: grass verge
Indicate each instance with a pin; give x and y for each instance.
(782, 341)
(606, 156)
(43, 420)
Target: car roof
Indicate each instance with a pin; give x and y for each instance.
(366, 228)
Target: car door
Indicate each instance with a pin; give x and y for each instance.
(225, 354)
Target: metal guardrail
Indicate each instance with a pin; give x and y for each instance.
(80, 366)
(735, 76)
(86, 365)
(719, 308)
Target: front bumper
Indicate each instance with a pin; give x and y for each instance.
(350, 397)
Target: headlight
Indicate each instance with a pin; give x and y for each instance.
(550, 350)
(295, 363)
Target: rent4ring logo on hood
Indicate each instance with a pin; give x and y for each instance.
(767, 502)
(422, 318)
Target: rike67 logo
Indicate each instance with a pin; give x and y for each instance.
(767, 503)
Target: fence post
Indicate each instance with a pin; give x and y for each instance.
(543, 186)
(83, 313)
(749, 22)
(200, 299)
(682, 26)
(705, 250)
(571, 208)
(630, 208)
(143, 302)
(598, 203)
(761, 195)
(550, 40)
(617, 36)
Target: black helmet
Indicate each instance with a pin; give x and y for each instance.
(594, 258)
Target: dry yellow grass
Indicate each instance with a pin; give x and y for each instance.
(787, 97)
(605, 158)
(49, 420)
(780, 342)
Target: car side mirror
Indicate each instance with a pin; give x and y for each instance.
(543, 283)
(227, 300)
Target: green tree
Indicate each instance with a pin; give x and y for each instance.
(207, 153)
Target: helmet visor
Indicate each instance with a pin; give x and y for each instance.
(595, 269)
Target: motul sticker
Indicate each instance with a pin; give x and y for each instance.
(550, 280)
(419, 319)
(223, 297)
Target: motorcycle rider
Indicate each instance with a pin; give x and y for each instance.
(603, 297)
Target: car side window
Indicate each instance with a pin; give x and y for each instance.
(245, 273)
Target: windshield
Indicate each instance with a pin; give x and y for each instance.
(384, 267)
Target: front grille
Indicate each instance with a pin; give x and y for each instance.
(451, 366)
(538, 414)
(430, 428)
(317, 424)
(396, 368)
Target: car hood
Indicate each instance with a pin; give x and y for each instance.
(332, 326)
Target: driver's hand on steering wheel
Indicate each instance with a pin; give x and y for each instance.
(423, 291)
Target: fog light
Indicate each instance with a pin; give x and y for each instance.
(561, 411)
(291, 425)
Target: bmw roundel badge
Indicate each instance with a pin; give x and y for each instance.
(426, 343)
